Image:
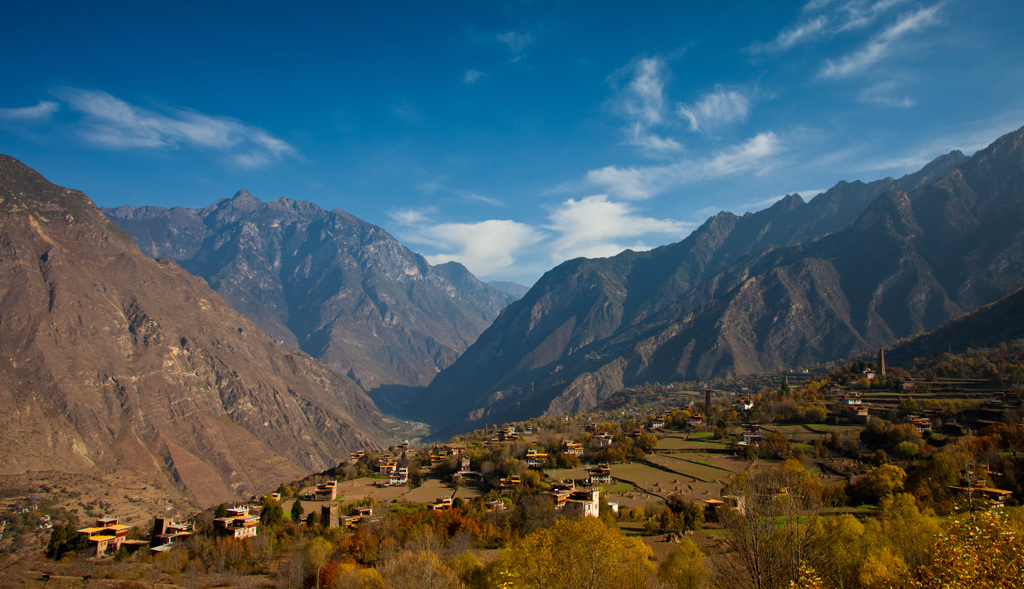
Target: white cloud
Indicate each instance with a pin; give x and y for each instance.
(884, 94)
(517, 42)
(471, 77)
(481, 198)
(792, 36)
(642, 102)
(484, 247)
(645, 182)
(861, 13)
(113, 123)
(721, 107)
(412, 216)
(596, 227)
(644, 97)
(881, 45)
(43, 110)
(826, 18)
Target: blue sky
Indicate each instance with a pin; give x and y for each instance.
(509, 136)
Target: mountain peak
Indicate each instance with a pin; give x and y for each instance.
(243, 196)
(789, 202)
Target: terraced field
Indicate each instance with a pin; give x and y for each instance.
(687, 467)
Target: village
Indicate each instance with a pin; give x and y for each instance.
(670, 462)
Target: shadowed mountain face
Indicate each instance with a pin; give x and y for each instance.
(798, 283)
(112, 362)
(344, 291)
(991, 325)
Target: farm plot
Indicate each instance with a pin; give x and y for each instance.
(468, 493)
(729, 463)
(686, 467)
(689, 443)
(654, 484)
(368, 487)
(837, 429)
(431, 491)
(558, 474)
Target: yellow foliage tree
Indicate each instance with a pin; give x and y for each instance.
(979, 551)
(576, 553)
(684, 567)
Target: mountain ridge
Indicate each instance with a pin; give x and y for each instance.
(343, 290)
(740, 294)
(111, 361)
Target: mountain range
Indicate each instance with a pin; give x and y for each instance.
(113, 362)
(343, 290)
(798, 283)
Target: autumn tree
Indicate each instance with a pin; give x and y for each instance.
(316, 553)
(577, 553)
(418, 570)
(979, 550)
(684, 567)
(774, 531)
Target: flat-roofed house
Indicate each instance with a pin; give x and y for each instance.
(326, 491)
(582, 502)
(600, 475)
(239, 523)
(399, 477)
(167, 533)
(106, 536)
(573, 448)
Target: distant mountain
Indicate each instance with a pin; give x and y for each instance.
(346, 292)
(515, 289)
(798, 283)
(111, 362)
(991, 325)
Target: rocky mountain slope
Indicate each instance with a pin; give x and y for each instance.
(344, 291)
(855, 268)
(991, 325)
(112, 362)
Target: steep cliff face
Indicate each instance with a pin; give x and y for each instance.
(857, 267)
(114, 362)
(341, 289)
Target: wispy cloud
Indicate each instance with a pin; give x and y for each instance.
(112, 123)
(647, 181)
(797, 34)
(641, 100)
(517, 42)
(857, 14)
(714, 109)
(485, 247)
(825, 18)
(413, 216)
(43, 110)
(484, 199)
(880, 46)
(471, 77)
(885, 94)
(595, 226)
